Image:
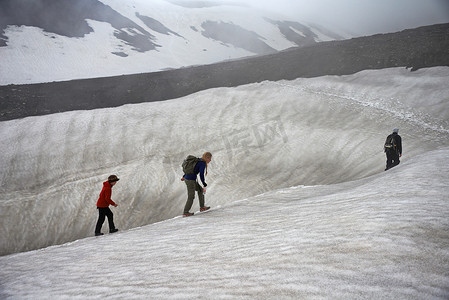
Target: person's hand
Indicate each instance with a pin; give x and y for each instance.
(400, 155)
(182, 179)
(204, 190)
(116, 205)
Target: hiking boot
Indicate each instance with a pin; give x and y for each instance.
(98, 233)
(187, 214)
(113, 230)
(204, 208)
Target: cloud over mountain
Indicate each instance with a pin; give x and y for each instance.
(65, 39)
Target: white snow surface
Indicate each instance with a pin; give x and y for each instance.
(301, 206)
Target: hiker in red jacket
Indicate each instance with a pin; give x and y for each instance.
(103, 206)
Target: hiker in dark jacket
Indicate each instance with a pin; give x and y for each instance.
(193, 185)
(393, 149)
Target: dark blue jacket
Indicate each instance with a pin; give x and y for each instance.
(199, 168)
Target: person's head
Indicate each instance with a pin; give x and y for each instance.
(113, 179)
(207, 157)
(396, 130)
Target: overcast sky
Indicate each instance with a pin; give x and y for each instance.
(363, 16)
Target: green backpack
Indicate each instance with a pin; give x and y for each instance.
(188, 165)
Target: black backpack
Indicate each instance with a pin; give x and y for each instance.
(390, 143)
(188, 165)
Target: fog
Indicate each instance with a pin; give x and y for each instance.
(139, 39)
(363, 16)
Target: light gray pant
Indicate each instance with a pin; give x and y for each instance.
(192, 186)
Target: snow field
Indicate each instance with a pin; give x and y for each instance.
(263, 137)
(370, 238)
(306, 209)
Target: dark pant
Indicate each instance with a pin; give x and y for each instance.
(192, 186)
(392, 159)
(104, 212)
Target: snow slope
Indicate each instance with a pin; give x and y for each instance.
(381, 237)
(303, 208)
(264, 137)
(301, 205)
(139, 36)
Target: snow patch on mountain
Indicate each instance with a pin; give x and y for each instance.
(111, 37)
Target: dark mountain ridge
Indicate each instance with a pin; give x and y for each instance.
(413, 48)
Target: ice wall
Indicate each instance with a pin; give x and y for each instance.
(263, 137)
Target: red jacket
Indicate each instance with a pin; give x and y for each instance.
(105, 196)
